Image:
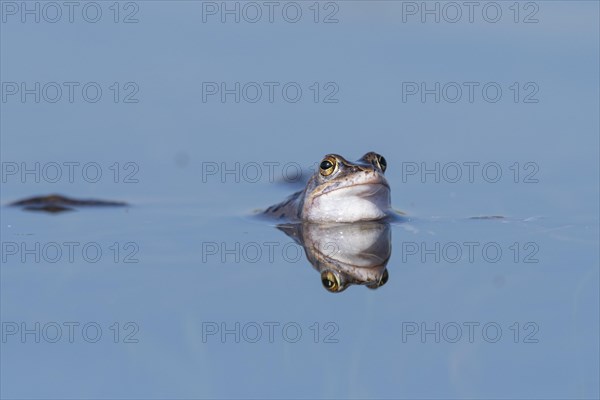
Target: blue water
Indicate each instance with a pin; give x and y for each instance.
(186, 279)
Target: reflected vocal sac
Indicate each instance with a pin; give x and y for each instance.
(345, 254)
(342, 254)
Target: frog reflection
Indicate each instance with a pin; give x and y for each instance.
(345, 254)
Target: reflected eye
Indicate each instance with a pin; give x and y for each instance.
(330, 281)
(382, 162)
(384, 278)
(327, 166)
(382, 281)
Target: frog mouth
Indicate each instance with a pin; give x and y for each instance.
(363, 189)
(350, 201)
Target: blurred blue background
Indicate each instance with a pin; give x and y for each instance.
(166, 140)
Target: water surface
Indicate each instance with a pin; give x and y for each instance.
(159, 269)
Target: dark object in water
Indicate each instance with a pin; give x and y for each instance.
(488, 217)
(55, 203)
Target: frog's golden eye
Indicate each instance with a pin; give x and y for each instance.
(327, 166)
(330, 281)
(384, 278)
(382, 162)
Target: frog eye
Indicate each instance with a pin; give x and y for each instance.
(327, 166)
(382, 162)
(384, 278)
(330, 281)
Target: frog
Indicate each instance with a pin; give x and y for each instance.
(340, 191)
(345, 254)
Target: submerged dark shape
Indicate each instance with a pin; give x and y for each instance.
(56, 203)
(345, 254)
